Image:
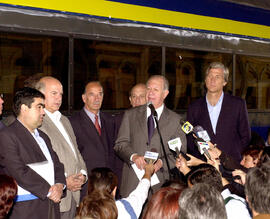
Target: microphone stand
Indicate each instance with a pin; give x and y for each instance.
(154, 113)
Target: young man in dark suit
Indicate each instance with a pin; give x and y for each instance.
(223, 116)
(27, 156)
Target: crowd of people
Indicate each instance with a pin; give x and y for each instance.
(102, 166)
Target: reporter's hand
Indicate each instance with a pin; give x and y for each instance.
(149, 170)
(181, 164)
(56, 192)
(139, 161)
(241, 174)
(158, 165)
(194, 161)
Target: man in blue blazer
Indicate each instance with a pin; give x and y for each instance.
(223, 116)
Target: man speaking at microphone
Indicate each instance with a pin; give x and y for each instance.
(138, 134)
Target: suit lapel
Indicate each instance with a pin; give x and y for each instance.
(90, 127)
(222, 114)
(57, 133)
(26, 136)
(207, 117)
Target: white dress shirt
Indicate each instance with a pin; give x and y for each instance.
(55, 117)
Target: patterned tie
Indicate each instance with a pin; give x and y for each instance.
(97, 125)
(151, 127)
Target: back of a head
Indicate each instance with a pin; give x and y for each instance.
(163, 204)
(201, 201)
(265, 156)
(8, 191)
(257, 188)
(102, 180)
(96, 206)
(206, 173)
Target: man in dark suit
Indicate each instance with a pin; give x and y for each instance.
(1, 109)
(94, 129)
(27, 156)
(133, 138)
(223, 116)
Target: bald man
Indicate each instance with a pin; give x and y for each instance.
(137, 95)
(64, 143)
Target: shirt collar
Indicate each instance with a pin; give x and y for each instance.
(89, 113)
(55, 116)
(219, 100)
(158, 110)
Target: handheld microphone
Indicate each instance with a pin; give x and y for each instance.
(151, 156)
(201, 133)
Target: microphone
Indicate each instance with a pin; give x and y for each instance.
(152, 108)
(151, 156)
(199, 132)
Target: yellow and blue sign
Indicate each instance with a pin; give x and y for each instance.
(200, 15)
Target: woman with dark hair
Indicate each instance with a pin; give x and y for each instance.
(100, 203)
(164, 203)
(8, 191)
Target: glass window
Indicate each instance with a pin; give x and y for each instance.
(117, 66)
(26, 58)
(185, 70)
(253, 81)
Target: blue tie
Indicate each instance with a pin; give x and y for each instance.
(151, 127)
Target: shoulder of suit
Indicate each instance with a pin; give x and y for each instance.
(172, 113)
(197, 102)
(233, 98)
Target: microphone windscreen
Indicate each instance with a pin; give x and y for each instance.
(198, 128)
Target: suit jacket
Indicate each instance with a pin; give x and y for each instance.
(133, 138)
(72, 164)
(19, 148)
(232, 131)
(94, 148)
(2, 125)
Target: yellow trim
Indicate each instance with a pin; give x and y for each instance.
(146, 14)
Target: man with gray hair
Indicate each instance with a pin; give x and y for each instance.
(201, 201)
(257, 189)
(138, 134)
(223, 116)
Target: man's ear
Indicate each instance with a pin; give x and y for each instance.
(24, 107)
(165, 94)
(83, 97)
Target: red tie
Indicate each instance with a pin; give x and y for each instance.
(97, 125)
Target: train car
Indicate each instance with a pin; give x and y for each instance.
(122, 42)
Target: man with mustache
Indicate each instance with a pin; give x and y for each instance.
(94, 130)
(27, 156)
